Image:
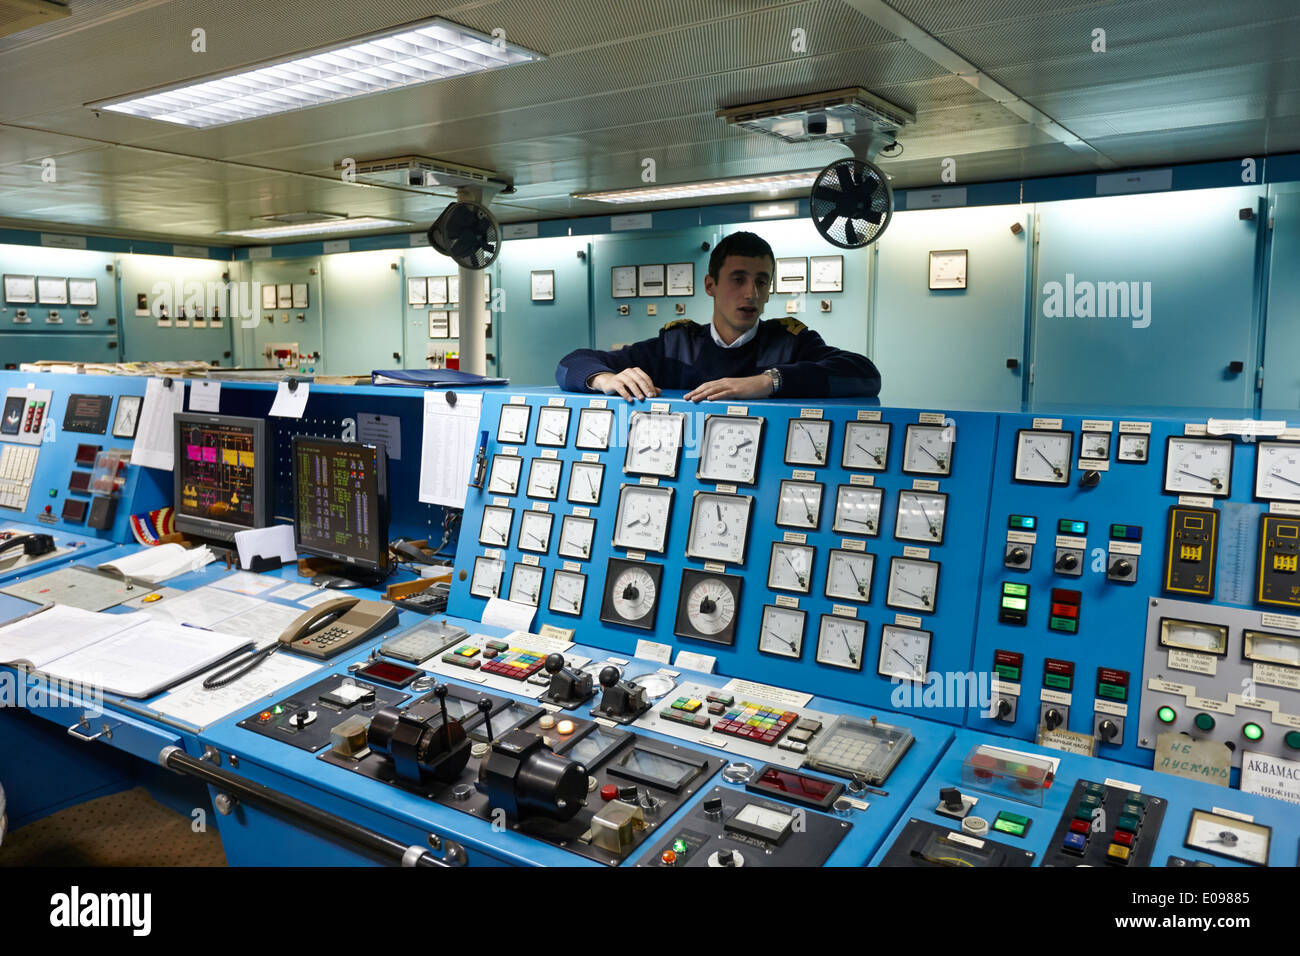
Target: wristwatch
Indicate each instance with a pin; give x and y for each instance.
(775, 375)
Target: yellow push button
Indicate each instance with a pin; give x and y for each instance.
(1117, 853)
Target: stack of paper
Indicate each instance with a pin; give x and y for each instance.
(158, 563)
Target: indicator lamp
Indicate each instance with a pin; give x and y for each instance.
(1204, 722)
(679, 845)
(1166, 715)
(1253, 731)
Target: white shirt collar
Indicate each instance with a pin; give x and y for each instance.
(743, 340)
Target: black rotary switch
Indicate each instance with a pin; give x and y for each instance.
(630, 593)
(1017, 556)
(1004, 708)
(1068, 562)
(1107, 730)
(1121, 568)
(1052, 719)
(707, 606)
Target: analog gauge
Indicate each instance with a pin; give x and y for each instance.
(594, 427)
(840, 641)
(921, 516)
(1095, 445)
(857, 510)
(719, 527)
(576, 535)
(1194, 636)
(866, 446)
(535, 531)
(807, 441)
(505, 474)
(654, 443)
(494, 531)
(526, 584)
(800, 505)
(567, 591)
(544, 478)
(782, 631)
(641, 523)
(913, 584)
(1271, 648)
(552, 426)
(486, 581)
(1235, 839)
(790, 567)
(1043, 457)
(512, 427)
(681, 278)
(1198, 466)
(1134, 449)
(904, 653)
(730, 447)
(1277, 471)
(585, 478)
(706, 608)
(631, 593)
(927, 449)
(848, 575)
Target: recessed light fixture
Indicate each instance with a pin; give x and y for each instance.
(359, 224)
(710, 187)
(404, 56)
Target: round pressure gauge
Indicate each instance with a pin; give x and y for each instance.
(719, 527)
(707, 607)
(1198, 466)
(913, 584)
(807, 441)
(782, 631)
(1277, 471)
(790, 567)
(904, 653)
(505, 474)
(594, 427)
(840, 641)
(1043, 457)
(567, 590)
(494, 531)
(575, 537)
(486, 581)
(654, 443)
(857, 510)
(526, 584)
(927, 449)
(544, 478)
(729, 451)
(848, 575)
(512, 426)
(585, 478)
(535, 531)
(799, 505)
(552, 426)
(866, 446)
(631, 593)
(641, 522)
(921, 516)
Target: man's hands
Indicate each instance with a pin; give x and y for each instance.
(753, 386)
(631, 383)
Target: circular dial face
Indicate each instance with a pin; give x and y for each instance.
(1277, 471)
(807, 441)
(928, 449)
(800, 505)
(535, 531)
(585, 479)
(857, 510)
(921, 516)
(730, 449)
(782, 631)
(790, 567)
(1198, 466)
(848, 575)
(505, 474)
(486, 581)
(512, 427)
(1194, 636)
(1095, 445)
(526, 584)
(866, 446)
(553, 426)
(594, 427)
(1134, 448)
(567, 591)
(641, 523)
(1271, 648)
(913, 584)
(544, 478)
(1043, 457)
(710, 606)
(904, 653)
(1225, 836)
(494, 531)
(840, 641)
(654, 442)
(634, 594)
(575, 537)
(719, 527)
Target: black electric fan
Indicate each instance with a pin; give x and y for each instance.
(467, 233)
(851, 203)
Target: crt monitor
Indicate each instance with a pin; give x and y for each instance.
(340, 507)
(222, 475)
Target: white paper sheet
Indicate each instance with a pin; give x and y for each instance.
(205, 396)
(203, 607)
(292, 592)
(193, 704)
(509, 614)
(245, 583)
(273, 542)
(49, 635)
(448, 446)
(289, 404)
(383, 430)
(155, 437)
(313, 599)
(262, 624)
(160, 562)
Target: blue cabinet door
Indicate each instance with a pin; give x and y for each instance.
(364, 303)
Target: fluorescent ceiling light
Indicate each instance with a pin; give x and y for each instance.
(360, 224)
(711, 187)
(406, 56)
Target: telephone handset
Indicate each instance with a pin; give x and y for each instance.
(337, 625)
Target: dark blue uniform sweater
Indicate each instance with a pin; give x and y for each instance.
(685, 355)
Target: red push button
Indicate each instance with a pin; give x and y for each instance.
(609, 792)
(1122, 838)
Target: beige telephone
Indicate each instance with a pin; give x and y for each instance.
(337, 625)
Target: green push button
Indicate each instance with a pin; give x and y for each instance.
(1253, 731)
(1127, 822)
(1065, 624)
(1007, 672)
(1292, 739)
(54, 492)
(1113, 691)
(1204, 722)
(1059, 681)
(1167, 715)
(1011, 823)
(679, 846)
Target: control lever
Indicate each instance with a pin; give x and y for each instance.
(622, 700)
(569, 688)
(485, 708)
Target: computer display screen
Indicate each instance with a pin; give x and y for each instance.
(340, 501)
(221, 474)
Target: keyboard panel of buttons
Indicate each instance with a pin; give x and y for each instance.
(17, 467)
(1106, 826)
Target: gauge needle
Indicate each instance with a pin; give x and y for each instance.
(556, 434)
(588, 431)
(1055, 470)
(874, 457)
(792, 567)
(931, 454)
(534, 537)
(844, 636)
(1214, 482)
(902, 658)
(593, 486)
(921, 597)
(934, 531)
(717, 508)
(861, 589)
(1278, 474)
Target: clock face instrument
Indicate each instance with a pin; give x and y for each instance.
(505, 474)
(729, 452)
(921, 516)
(1134, 449)
(544, 478)
(1095, 445)
(512, 426)
(553, 426)
(807, 442)
(594, 428)
(848, 575)
(857, 510)
(486, 581)
(535, 531)
(1277, 471)
(927, 450)
(707, 606)
(495, 528)
(840, 641)
(567, 591)
(904, 653)
(866, 446)
(1043, 457)
(781, 632)
(641, 523)
(1198, 466)
(790, 567)
(632, 592)
(800, 504)
(576, 535)
(526, 584)
(654, 444)
(719, 528)
(913, 584)
(585, 479)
